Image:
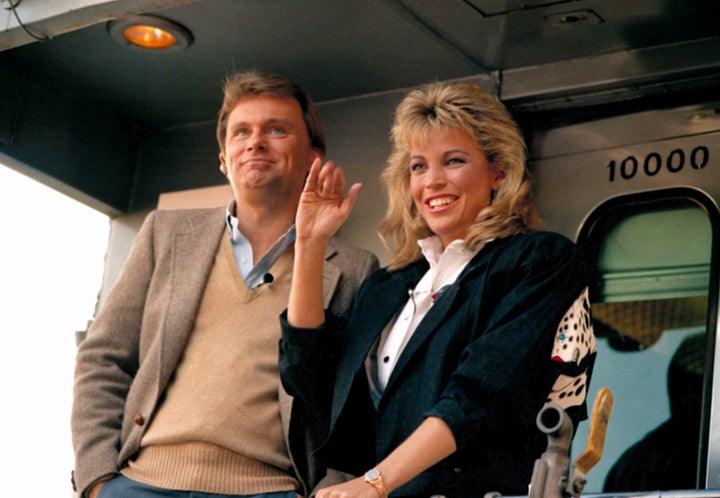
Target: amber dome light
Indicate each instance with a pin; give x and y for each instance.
(149, 33)
(149, 36)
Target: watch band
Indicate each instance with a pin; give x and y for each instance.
(374, 478)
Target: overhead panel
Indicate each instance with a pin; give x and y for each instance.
(118, 103)
(10, 94)
(499, 7)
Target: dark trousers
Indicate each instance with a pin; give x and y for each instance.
(122, 487)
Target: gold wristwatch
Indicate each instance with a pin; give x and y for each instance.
(374, 478)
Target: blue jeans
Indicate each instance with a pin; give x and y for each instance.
(122, 487)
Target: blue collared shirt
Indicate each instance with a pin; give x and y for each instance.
(254, 275)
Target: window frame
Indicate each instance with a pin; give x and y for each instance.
(592, 233)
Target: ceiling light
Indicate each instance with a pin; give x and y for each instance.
(149, 33)
(573, 19)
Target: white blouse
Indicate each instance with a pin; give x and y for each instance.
(445, 266)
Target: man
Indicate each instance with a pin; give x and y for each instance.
(176, 385)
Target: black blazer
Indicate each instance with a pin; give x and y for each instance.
(480, 360)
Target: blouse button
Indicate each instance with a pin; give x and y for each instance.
(139, 420)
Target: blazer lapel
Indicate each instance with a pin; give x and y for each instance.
(435, 317)
(427, 327)
(388, 296)
(194, 246)
(331, 276)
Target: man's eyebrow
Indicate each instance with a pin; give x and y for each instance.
(268, 121)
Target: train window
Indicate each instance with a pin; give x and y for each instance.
(654, 259)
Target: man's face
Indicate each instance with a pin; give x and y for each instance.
(267, 148)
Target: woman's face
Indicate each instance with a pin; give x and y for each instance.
(450, 182)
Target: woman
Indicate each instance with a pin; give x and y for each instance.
(433, 382)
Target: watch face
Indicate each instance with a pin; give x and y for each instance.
(372, 474)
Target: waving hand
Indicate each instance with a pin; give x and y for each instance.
(324, 205)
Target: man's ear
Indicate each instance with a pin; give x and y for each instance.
(223, 168)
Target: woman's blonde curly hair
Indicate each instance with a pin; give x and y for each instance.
(465, 106)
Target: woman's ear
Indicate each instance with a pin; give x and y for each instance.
(498, 177)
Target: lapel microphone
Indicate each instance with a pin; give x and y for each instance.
(267, 279)
(411, 296)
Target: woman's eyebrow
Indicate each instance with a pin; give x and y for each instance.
(455, 151)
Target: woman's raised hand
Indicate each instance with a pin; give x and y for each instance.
(324, 204)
